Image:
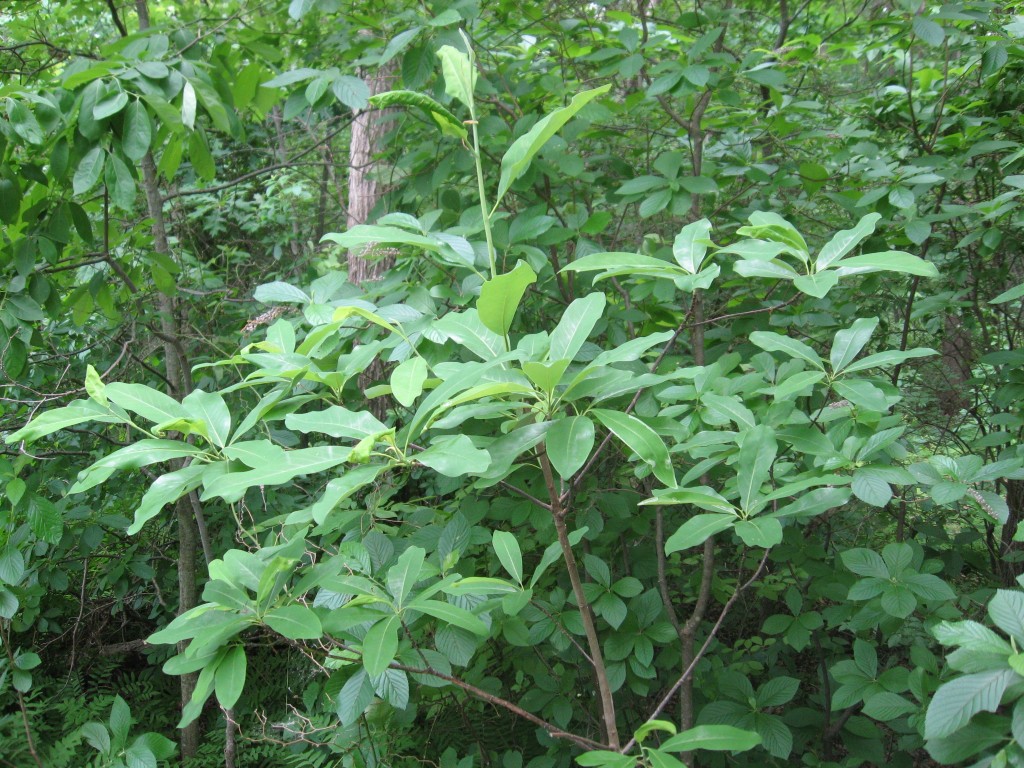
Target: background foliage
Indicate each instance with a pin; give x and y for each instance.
(678, 420)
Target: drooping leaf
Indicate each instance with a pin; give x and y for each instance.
(229, 680)
(642, 440)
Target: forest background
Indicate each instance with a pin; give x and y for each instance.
(511, 384)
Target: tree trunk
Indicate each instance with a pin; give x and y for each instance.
(179, 379)
(368, 129)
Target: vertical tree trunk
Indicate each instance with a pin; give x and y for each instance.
(363, 191)
(180, 382)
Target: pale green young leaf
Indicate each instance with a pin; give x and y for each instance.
(691, 245)
(48, 422)
(459, 74)
(500, 297)
(407, 380)
(210, 408)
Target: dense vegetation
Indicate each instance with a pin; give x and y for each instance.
(511, 384)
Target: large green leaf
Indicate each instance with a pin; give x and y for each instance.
(139, 454)
(500, 297)
(137, 131)
(48, 422)
(304, 461)
(407, 380)
(568, 443)
(774, 342)
(892, 357)
(404, 574)
(459, 74)
(210, 408)
(164, 490)
(887, 261)
(296, 622)
(691, 245)
(754, 465)
(642, 440)
(467, 329)
(850, 341)
(506, 547)
(453, 615)
(380, 645)
(697, 530)
(576, 324)
(717, 738)
(229, 679)
(956, 702)
(336, 421)
(518, 157)
(845, 241)
(454, 456)
(147, 402)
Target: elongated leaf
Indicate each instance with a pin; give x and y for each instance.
(164, 490)
(380, 645)
(715, 738)
(90, 170)
(404, 574)
(642, 440)
(140, 454)
(466, 328)
(296, 622)
(730, 409)
(459, 74)
(575, 326)
(818, 284)
(500, 297)
(887, 261)
(229, 680)
(336, 421)
(137, 132)
(891, 357)
(621, 263)
(774, 342)
(845, 241)
(568, 443)
(697, 530)
(304, 461)
(449, 124)
(147, 402)
(454, 456)
(48, 422)
(850, 341)
(691, 245)
(365, 234)
(701, 497)
(453, 615)
(956, 702)
(757, 454)
(518, 157)
(355, 696)
(506, 547)
(1009, 295)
